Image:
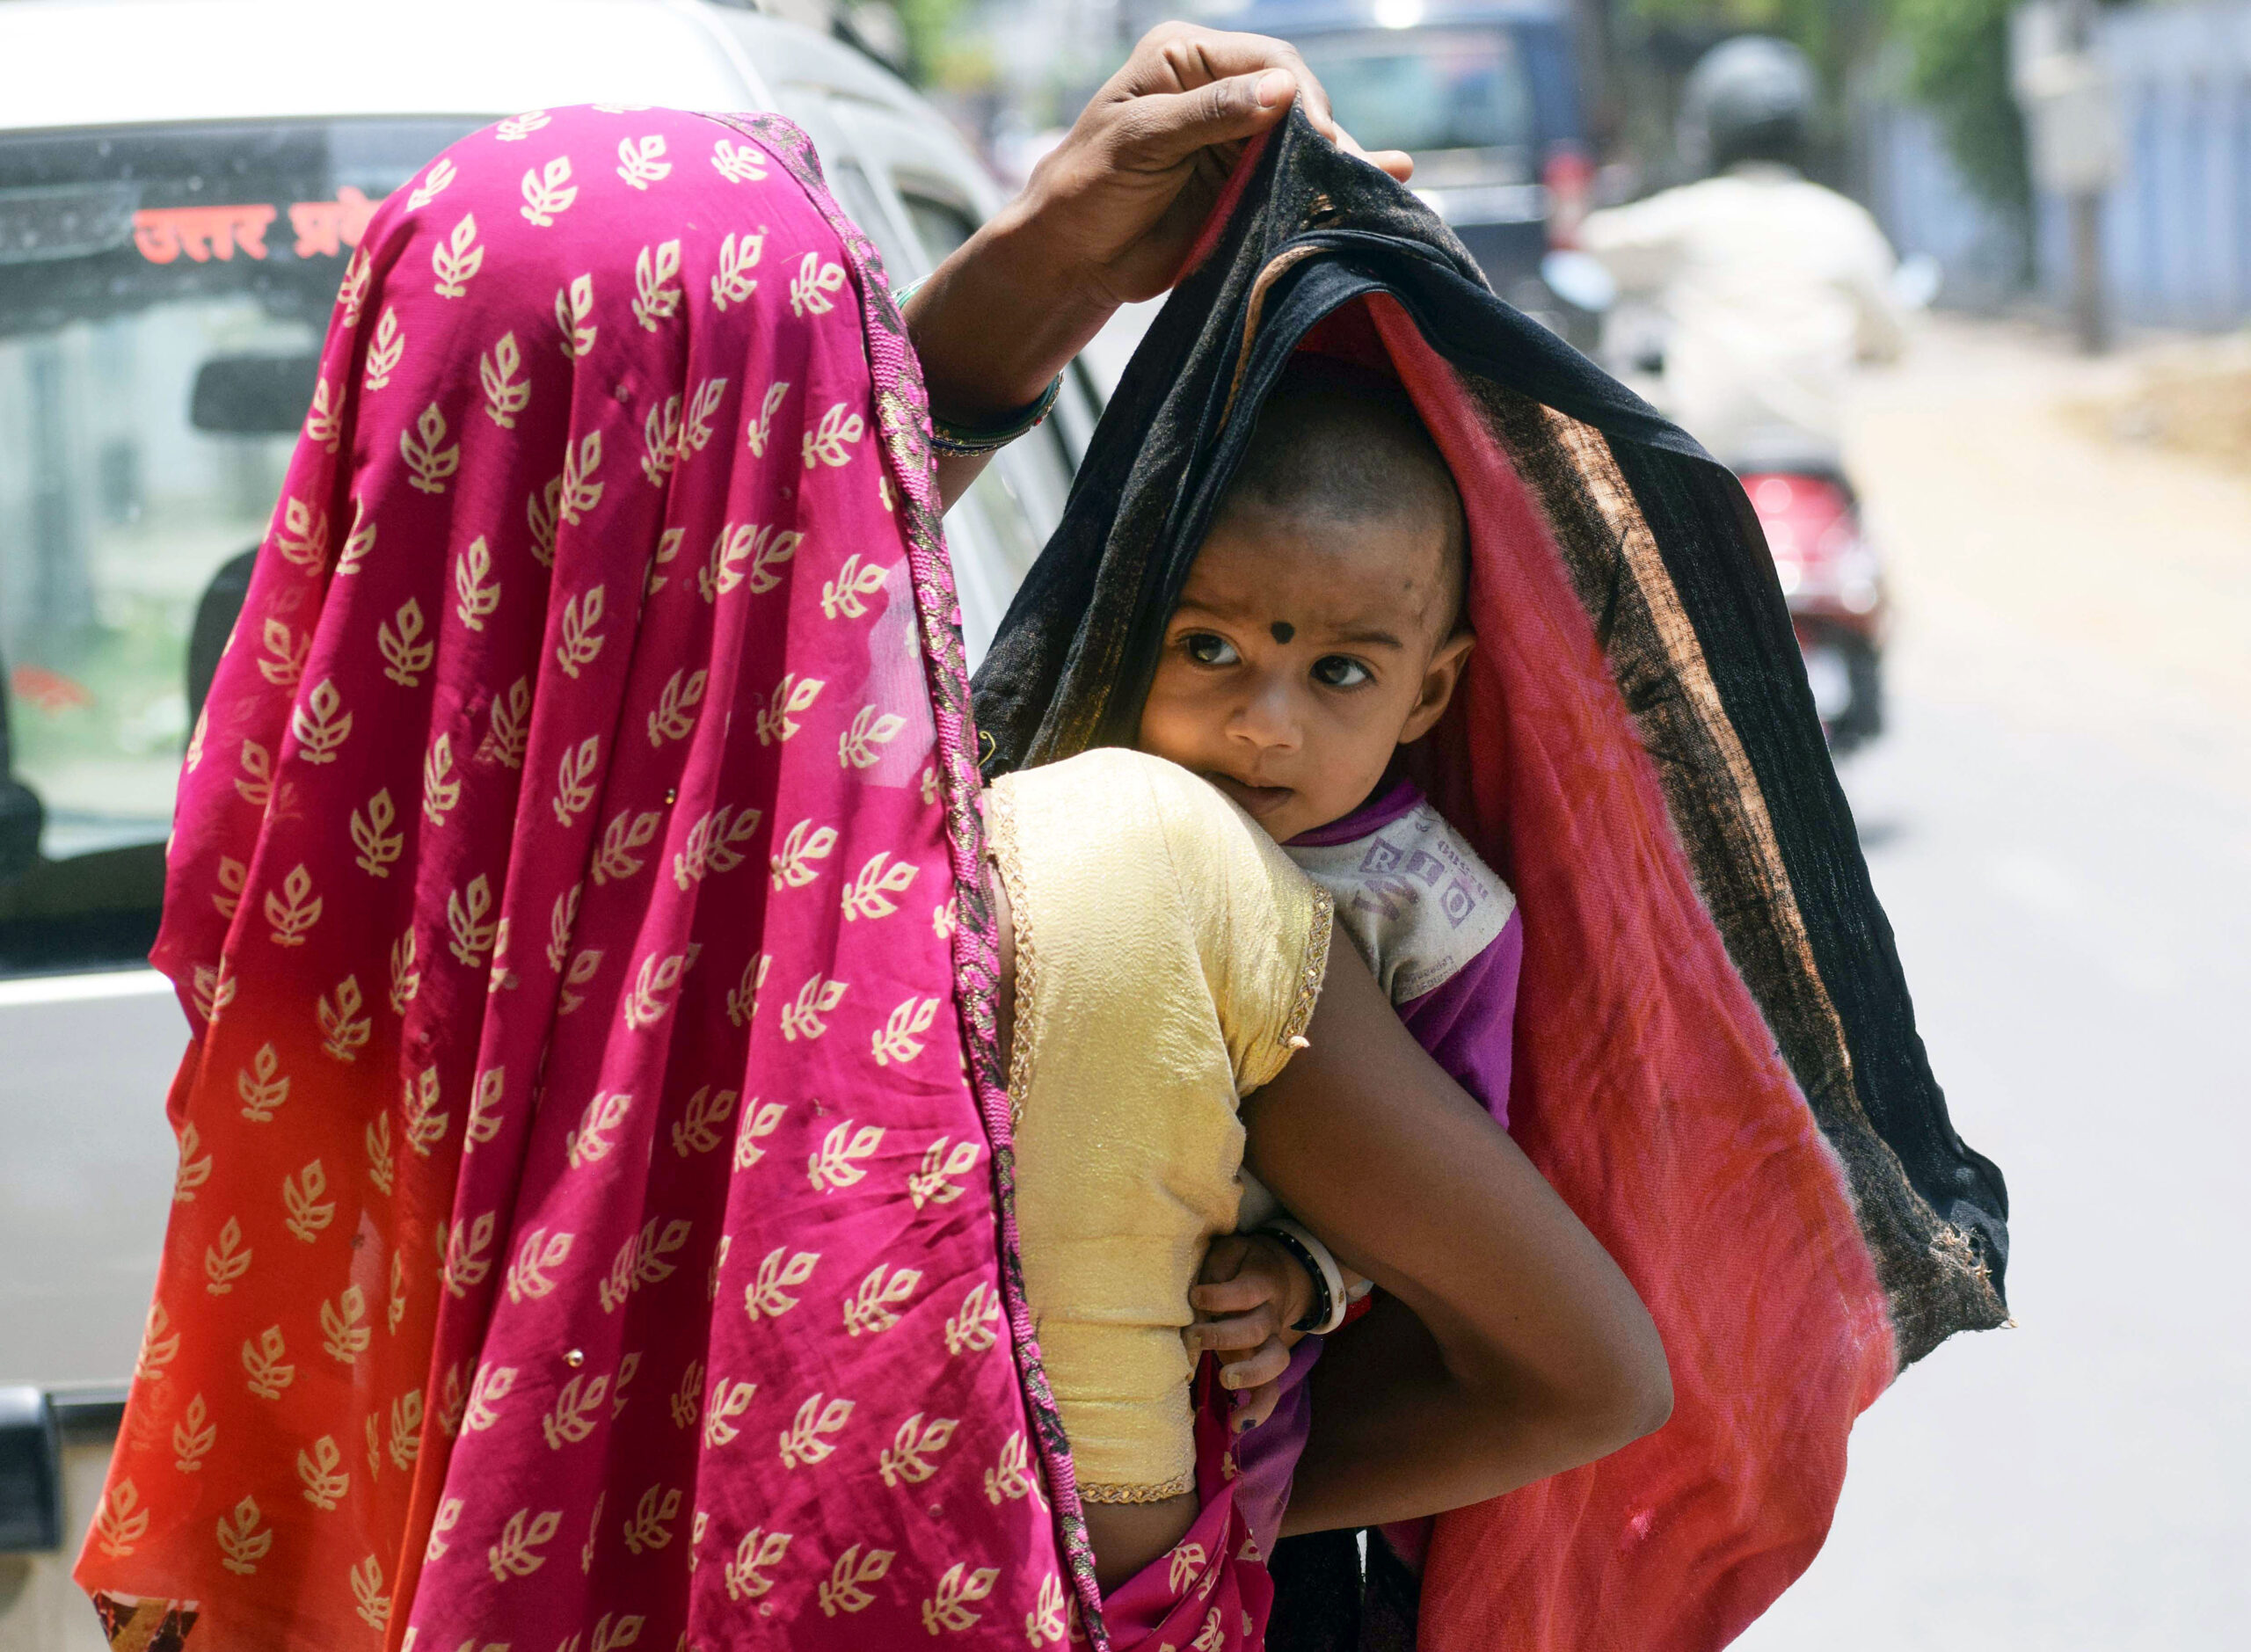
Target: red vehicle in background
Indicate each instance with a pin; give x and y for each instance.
(1833, 582)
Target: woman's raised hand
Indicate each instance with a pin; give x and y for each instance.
(1108, 217)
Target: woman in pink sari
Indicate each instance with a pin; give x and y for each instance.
(595, 1226)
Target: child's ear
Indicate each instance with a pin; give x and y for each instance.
(1439, 680)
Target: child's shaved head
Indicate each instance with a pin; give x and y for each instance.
(1338, 441)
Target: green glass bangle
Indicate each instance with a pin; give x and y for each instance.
(960, 442)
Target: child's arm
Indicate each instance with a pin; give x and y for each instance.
(1250, 1293)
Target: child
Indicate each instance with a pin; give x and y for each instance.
(1320, 630)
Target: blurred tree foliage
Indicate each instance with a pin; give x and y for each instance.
(1957, 65)
(930, 27)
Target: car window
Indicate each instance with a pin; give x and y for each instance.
(164, 294)
(1426, 89)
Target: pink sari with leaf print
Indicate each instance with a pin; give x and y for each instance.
(594, 1228)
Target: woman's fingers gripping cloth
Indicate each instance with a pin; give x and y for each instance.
(587, 1225)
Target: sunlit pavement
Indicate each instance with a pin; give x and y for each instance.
(2059, 825)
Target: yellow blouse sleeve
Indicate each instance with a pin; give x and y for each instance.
(1167, 956)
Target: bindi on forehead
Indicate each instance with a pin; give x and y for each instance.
(1282, 631)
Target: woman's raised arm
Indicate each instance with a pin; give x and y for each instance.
(1512, 1346)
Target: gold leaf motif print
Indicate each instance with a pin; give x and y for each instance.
(547, 191)
(907, 1460)
(607, 1636)
(121, 1522)
(760, 1120)
(578, 1409)
(627, 832)
(468, 1253)
(813, 288)
(668, 545)
(378, 844)
(303, 536)
(574, 309)
(269, 1373)
(308, 1216)
(700, 1126)
(1184, 1566)
(510, 730)
(855, 747)
(583, 968)
(385, 351)
(803, 1019)
(777, 719)
(652, 300)
(844, 595)
(531, 1275)
(837, 1163)
(1012, 1476)
(193, 1171)
(626, 1367)
(433, 184)
(641, 1262)
(465, 910)
(159, 1346)
(874, 1306)
(932, 1184)
(643, 1008)
(289, 655)
(485, 1108)
(948, 1607)
(591, 1142)
(946, 919)
(457, 259)
(1044, 1624)
(581, 640)
(899, 1039)
(325, 423)
(492, 1385)
(660, 440)
(517, 1553)
(574, 780)
(577, 492)
(742, 1002)
(729, 1400)
(227, 1261)
(441, 1528)
(641, 163)
(830, 442)
(255, 784)
(758, 1552)
(517, 127)
(345, 1330)
(343, 1029)
(425, 1125)
(760, 430)
(405, 979)
(195, 744)
(695, 426)
(738, 163)
(734, 283)
(474, 600)
(321, 723)
(869, 895)
(430, 459)
(232, 875)
(738, 543)
(357, 543)
(394, 1312)
(560, 921)
(193, 1437)
(804, 1442)
(688, 1399)
(715, 844)
(353, 292)
(213, 986)
(321, 1467)
(380, 1165)
(262, 1086)
(405, 1443)
(976, 1323)
(768, 1295)
(405, 655)
(504, 393)
(293, 909)
(675, 712)
(370, 1603)
(847, 1588)
(792, 863)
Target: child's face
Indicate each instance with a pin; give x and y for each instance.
(1304, 651)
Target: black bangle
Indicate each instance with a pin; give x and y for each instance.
(1323, 1307)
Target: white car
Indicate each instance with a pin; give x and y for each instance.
(154, 368)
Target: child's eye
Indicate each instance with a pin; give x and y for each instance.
(1207, 649)
(1341, 671)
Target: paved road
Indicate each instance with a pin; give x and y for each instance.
(2060, 827)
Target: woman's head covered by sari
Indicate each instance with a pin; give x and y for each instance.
(1715, 1058)
(587, 1231)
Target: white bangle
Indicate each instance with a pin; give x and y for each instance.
(1331, 1274)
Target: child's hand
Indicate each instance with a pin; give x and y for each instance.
(1249, 1295)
